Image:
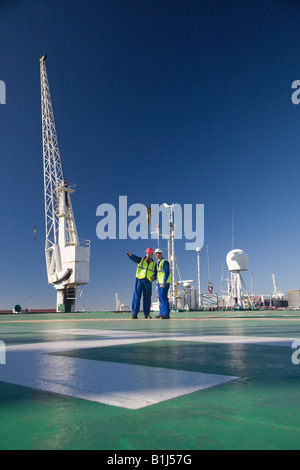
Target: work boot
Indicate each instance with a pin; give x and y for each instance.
(147, 317)
(134, 316)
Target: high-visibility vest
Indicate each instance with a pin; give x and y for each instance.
(145, 269)
(161, 272)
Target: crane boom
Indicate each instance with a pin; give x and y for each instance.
(53, 172)
(67, 258)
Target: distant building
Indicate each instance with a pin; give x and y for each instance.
(294, 298)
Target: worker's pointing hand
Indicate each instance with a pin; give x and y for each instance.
(129, 254)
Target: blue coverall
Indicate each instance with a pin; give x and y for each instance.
(142, 286)
(163, 291)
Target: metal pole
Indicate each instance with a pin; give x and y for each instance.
(173, 260)
(199, 278)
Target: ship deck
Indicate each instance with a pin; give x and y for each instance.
(209, 380)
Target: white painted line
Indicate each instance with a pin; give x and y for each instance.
(254, 340)
(143, 336)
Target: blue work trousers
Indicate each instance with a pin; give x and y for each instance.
(142, 286)
(164, 300)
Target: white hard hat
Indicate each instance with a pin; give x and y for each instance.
(158, 250)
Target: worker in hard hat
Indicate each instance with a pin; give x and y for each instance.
(163, 284)
(145, 274)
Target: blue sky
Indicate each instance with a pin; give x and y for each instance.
(162, 101)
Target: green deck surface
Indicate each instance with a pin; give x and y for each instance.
(261, 410)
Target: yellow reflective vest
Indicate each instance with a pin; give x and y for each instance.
(145, 269)
(161, 272)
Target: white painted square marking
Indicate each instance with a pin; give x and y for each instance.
(124, 385)
(118, 384)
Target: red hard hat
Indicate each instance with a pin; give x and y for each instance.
(149, 250)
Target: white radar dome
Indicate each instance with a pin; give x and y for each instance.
(237, 260)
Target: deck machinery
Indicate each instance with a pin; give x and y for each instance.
(67, 257)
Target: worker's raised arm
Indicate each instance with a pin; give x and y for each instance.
(134, 258)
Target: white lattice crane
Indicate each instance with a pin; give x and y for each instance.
(277, 294)
(67, 257)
